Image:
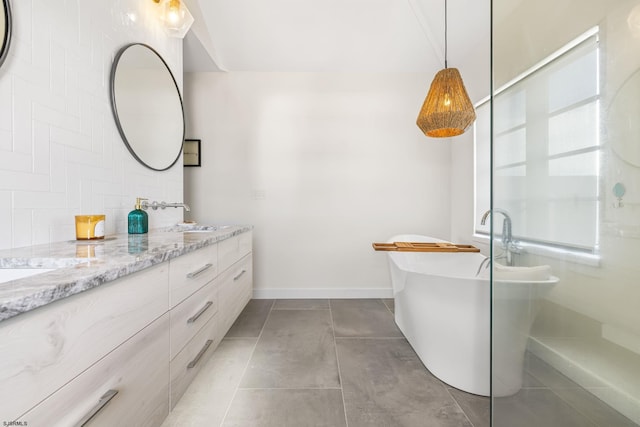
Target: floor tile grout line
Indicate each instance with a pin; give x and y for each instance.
(575, 408)
(335, 346)
(239, 338)
(289, 388)
(459, 406)
(371, 338)
(235, 392)
(553, 390)
(244, 371)
(389, 308)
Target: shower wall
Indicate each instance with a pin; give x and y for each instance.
(587, 328)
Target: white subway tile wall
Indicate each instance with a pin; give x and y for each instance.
(60, 151)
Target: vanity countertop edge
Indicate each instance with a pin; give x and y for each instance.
(78, 266)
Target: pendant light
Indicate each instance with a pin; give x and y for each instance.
(447, 110)
(176, 17)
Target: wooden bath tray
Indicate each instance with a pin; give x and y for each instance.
(424, 247)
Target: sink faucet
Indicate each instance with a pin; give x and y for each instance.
(508, 244)
(162, 205)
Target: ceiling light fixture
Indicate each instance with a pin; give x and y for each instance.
(176, 17)
(447, 110)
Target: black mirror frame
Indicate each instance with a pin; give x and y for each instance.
(114, 109)
(4, 49)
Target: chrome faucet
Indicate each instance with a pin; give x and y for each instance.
(508, 244)
(162, 205)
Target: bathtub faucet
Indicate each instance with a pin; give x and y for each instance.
(486, 263)
(508, 244)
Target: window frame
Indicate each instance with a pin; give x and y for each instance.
(540, 246)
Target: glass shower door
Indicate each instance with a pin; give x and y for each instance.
(565, 188)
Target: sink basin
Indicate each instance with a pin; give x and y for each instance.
(9, 274)
(195, 228)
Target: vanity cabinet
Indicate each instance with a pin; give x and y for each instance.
(127, 387)
(194, 306)
(236, 279)
(186, 365)
(190, 272)
(188, 317)
(235, 290)
(199, 323)
(124, 352)
(44, 349)
(231, 250)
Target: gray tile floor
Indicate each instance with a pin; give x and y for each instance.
(550, 399)
(321, 363)
(341, 363)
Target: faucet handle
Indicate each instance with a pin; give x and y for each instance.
(514, 247)
(141, 203)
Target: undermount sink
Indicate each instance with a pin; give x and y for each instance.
(195, 228)
(9, 274)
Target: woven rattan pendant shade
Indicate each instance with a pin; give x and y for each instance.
(447, 110)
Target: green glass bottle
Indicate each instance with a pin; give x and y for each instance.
(138, 219)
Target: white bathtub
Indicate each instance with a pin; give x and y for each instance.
(444, 311)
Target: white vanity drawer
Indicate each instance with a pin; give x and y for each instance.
(42, 349)
(184, 367)
(137, 370)
(235, 289)
(192, 314)
(232, 249)
(245, 243)
(190, 272)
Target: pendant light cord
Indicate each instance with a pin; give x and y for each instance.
(445, 33)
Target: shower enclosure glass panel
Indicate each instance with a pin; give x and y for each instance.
(565, 166)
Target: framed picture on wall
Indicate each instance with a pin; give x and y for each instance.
(191, 152)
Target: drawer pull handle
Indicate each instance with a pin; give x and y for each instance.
(104, 399)
(198, 271)
(240, 275)
(199, 313)
(195, 361)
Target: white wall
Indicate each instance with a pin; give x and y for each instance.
(60, 152)
(322, 165)
(462, 192)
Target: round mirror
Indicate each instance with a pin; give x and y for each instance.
(147, 106)
(624, 120)
(5, 30)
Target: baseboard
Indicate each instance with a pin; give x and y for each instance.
(608, 373)
(316, 293)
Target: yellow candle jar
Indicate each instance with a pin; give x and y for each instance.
(89, 227)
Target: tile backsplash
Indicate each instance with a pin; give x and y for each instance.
(60, 151)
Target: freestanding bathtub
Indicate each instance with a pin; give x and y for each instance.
(444, 311)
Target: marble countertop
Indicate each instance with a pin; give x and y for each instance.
(82, 265)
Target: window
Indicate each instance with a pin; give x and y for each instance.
(546, 150)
